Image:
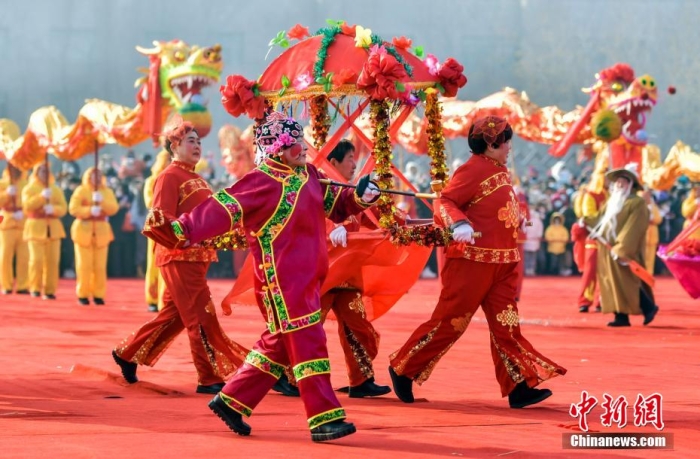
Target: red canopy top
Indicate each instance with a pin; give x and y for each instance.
(342, 55)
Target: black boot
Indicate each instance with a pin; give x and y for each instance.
(232, 418)
(284, 387)
(621, 320)
(128, 368)
(152, 308)
(211, 388)
(368, 389)
(403, 386)
(83, 301)
(98, 301)
(332, 431)
(584, 308)
(650, 316)
(522, 395)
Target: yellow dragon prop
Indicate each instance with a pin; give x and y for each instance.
(174, 81)
(611, 126)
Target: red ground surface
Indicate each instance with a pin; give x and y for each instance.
(61, 395)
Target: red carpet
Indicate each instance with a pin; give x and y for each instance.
(61, 395)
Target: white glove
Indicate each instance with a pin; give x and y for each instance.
(95, 211)
(524, 225)
(12, 190)
(18, 215)
(96, 196)
(463, 233)
(48, 209)
(46, 193)
(339, 236)
(370, 193)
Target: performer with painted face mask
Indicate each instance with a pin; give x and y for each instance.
(622, 225)
(281, 206)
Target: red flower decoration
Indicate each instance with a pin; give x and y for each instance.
(298, 32)
(402, 42)
(238, 97)
(379, 75)
(451, 77)
(672, 90)
(346, 29)
(343, 77)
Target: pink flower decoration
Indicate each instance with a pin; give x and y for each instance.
(291, 197)
(286, 139)
(433, 64)
(303, 81)
(381, 50)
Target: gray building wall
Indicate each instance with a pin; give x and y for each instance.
(60, 52)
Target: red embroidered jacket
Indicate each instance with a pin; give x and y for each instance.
(481, 193)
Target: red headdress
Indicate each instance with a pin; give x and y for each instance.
(178, 132)
(490, 128)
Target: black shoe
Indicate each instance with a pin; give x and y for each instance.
(368, 389)
(211, 388)
(152, 308)
(36, 294)
(284, 387)
(332, 431)
(621, 320)
(98, 301)
(232, 418)
(22, 292)
(7, 292)
(648, 318)
(49, 296)
(83, 301)
(522, 395)
(583, 308)
(403, 386)
(128, 368)
(598, 308)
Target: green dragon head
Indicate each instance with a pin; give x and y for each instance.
(183, 72)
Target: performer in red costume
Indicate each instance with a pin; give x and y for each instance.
(358, 338)
(477, 272)
(281, 206)
(187, 300)
(591, 202)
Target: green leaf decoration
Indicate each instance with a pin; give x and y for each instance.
(421, 95)
(285, 81)
(399, 86)
(334, 22)
(256, 90)
(320, 80)
(282, 91)
(418, 51)
(440, 87)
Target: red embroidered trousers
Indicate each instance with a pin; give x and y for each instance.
(305, 350)
(358, 338)
(466, 285)
(187, 305)
(590, 291)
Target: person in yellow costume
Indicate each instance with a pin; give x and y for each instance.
(690, 205)
(91, 204)
(44, 204)
(154, 281)
(652, 237)
(13, 248)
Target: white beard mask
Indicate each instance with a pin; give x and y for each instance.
(607, 226)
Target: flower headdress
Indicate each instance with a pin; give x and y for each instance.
(276, 133)
(490, 128)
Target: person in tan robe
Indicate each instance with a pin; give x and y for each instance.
(622, 224)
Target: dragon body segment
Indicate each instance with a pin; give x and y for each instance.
(174, 81)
